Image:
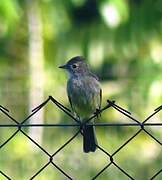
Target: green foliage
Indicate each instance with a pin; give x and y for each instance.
(9, 15)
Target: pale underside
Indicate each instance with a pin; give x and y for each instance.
(84, 95)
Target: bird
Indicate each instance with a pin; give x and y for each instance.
(85, 95)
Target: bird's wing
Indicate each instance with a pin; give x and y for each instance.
(69, 96)
(94, 76)
(100, 98)
(70, 102)
(72, 107)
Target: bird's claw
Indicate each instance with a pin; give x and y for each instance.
(98, 113)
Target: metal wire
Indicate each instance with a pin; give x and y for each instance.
(111, 157)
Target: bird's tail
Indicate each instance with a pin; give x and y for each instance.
(89, 139)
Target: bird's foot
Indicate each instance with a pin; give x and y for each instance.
(98, 113)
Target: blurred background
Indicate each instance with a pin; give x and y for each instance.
(122, 42)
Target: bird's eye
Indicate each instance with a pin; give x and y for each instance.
(74, 66)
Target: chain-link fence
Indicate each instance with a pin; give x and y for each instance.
(110, 161)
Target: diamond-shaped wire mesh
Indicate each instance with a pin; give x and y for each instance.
(111, 159)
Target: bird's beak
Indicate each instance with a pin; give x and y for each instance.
(63, 67)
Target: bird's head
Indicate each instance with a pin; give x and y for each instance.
(76, 66)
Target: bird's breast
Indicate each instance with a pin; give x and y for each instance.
(84, 95)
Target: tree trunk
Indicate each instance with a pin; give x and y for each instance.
(36, 66)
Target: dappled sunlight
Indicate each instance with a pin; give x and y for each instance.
(111, 15)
